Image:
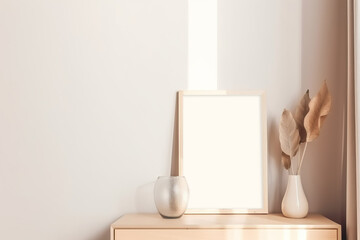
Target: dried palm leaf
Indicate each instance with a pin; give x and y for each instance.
(289, 134)
(300, 113)
(319, 108)
(285, 159)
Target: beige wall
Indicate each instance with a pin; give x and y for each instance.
(287, 50)
(87, 91)
(262, 50)
(324, 57)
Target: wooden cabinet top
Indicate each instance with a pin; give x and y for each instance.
(155, 221)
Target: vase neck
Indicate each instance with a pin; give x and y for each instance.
(297, 176)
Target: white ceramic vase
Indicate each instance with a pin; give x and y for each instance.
(294, 203)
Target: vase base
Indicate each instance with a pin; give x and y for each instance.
(296, 217)
(171, 217)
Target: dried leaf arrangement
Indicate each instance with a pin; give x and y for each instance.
(296, 131)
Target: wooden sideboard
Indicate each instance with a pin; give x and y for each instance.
(229, 227)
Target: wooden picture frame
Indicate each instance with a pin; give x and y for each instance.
(223, 151)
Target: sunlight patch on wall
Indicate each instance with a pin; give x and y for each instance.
(202, 48)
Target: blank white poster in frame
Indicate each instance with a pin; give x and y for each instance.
(223, 151)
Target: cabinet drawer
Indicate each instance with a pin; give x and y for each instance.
(226, 234)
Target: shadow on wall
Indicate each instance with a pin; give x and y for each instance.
(103, 235)
(175, 147)
(144, 198)
(274, 167)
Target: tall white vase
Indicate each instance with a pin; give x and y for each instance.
(294, 203)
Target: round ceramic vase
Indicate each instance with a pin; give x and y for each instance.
(294, 203)
(171, 196)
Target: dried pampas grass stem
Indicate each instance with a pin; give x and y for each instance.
(302, 158)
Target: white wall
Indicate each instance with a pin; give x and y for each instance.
(87, 96)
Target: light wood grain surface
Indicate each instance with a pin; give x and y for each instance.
(222, 221)
(270, 226)
(226, 234)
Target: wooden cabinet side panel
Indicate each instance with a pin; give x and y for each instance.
(226, 234)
